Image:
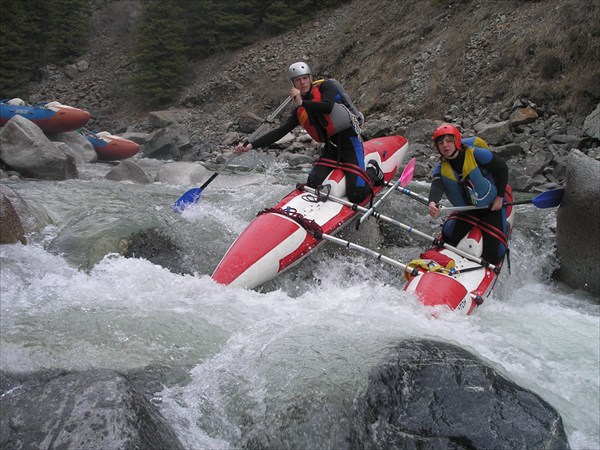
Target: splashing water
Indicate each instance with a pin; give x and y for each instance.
(289, 358)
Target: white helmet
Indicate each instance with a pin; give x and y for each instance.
(298, 69)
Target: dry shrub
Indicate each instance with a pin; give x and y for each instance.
(548, 65)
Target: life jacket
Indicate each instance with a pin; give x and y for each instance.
(431, 261)
(475, 186)
(344, 114)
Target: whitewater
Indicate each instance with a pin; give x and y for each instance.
(223, 364)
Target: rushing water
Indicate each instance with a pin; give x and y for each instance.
(287, 359)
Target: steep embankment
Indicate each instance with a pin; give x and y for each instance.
(403, 60)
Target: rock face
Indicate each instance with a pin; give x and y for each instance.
(94, 409)
(578, 222)
(429, 394)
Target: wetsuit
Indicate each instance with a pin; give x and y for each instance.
(344, 145)
(460, 192)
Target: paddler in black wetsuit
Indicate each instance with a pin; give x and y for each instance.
(327, 114)
(470, 176)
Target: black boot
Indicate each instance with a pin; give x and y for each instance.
(375, 173)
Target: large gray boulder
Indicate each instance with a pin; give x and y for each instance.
(91, 410)
(81, 149)
(578, 222)
(433, 395)
(128, 171)
(182, 173)
(167, 143)
(26, 149)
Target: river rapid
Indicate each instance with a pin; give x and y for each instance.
(227, 365)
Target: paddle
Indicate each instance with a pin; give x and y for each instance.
(548, 199)
(405, 178)
(192, 196)
(412, 271)
(414, 195)
(410, 229)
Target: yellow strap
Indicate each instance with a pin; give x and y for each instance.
(429, 266)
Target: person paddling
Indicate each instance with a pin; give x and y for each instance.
(470, 175)
(326, 112)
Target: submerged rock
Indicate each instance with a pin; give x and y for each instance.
(93, 409)
(156, 247)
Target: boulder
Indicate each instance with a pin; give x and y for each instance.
(128, 171)
(422, 131)
(32, 219)
(137, 136)
(428, 394)
(578, 222)
(93, 409)
(376, 128)
(508, 150)
(248, 122)
(166, 143)
(496, 133)
(26, 149)
(165, 118)
(81, 148)
(156, 246)
(182, 173)
(535, 163)
(521, 116)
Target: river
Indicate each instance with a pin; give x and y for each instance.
(230, 364)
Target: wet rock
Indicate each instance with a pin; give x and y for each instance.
(128, 171)
(428, 394)
(93, 409)
(11, 229)
(155, 246)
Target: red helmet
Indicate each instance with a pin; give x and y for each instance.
(446, 129)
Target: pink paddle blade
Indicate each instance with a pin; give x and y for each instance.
(407, 173)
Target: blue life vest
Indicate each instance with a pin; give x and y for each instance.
(475, 186)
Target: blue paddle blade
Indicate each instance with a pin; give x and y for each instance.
(549, 199)
(188, 199)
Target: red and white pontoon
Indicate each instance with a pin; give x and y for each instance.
(457, 278)
(276, 240)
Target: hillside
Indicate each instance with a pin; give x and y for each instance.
(400, 60)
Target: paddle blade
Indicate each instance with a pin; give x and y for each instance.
(188, 199)
(407, 173)
(549, 199)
